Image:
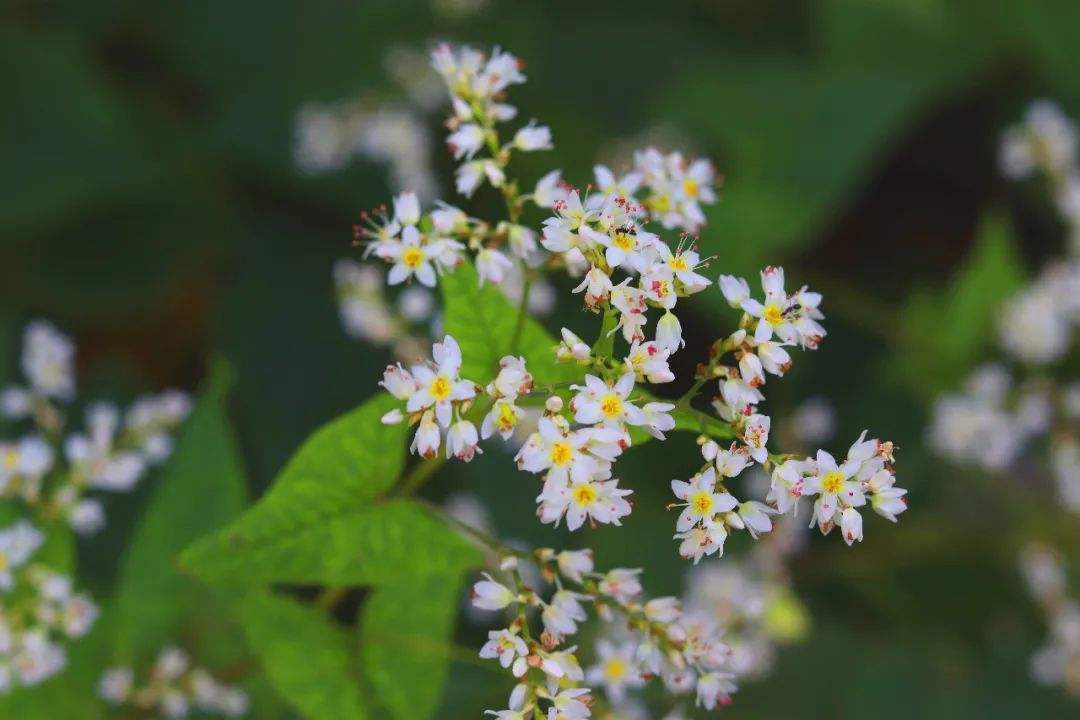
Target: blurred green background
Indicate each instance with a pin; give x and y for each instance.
(152, 207)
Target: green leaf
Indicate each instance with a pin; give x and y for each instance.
(202, 489)
(483, 322)
(945, 332)
(306, 657)
(369, 545)
(406, 631)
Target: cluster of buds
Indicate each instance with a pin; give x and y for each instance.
(173, 689)
(39, 611)
(112, 454)
(656, 639)
(1058, 661)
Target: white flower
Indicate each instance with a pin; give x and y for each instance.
(771, 316)
(663, 609)
(398, 382)
(616, 669)
(756, 436)
(462, 441)
(597, 286)
(407, 208)
(507, 647)
(563, 613)
(513, 379)
(649, 361)
(755, 516)
(669, 332)
(832, 484)
(492, 265)
(439, 386)
(774, 358)
(502, 418)
(702, 500)
(736, 290)
(621, 584)
(574, 564)
(469, 176)
(18, 543)
(608, 184)
(599, 403)
(488, 594)
(713, 688)
(115, 685)
(86, 517)
(851, 525)
(427, 439)
(600, 501)
(658, 419)
(549, 190)
(572, 347)
(562, 454)
(48, 358)
(565, 705)
(533, 137)
(465, 141)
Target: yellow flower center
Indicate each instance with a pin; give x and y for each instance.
(584, 494)
(690, 187)
(773, 314)
(678, 262)
(11, 458)
(624, 241)
(833, 482)
(561, 452)
(507, 417)
(412, 257)
(611, 405)
(661, 203)
(615, 669)
(440, 388)
(702, 502)
(3, 561)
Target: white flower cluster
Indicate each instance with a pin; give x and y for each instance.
(1058, 661)
(38, 611)
(1002, 413)
(112, 454)
(174, 689)
(660, 640)
(992, 421)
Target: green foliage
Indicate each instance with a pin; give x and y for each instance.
(945, 332)
(484, 323)
(406, 631)
(305, 656)
(202, 489)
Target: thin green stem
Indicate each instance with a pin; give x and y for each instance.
(522, 313)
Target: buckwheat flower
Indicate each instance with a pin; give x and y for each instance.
(771, 315)
(751, 369)
(663, 609)
(649, 361)
(115, 685)
(756, 435)
(574, 564)
(492, 265)
(561, 232)
(465, 141)
(630, 302)
(568, 704)
(440, 386)
(597, 286)
(427, 439)
(1045, 141)
(669, 332)
(622, 584)
(755, 517)
(560, 453)
(600, 501)
(533, 137)
(608, 184)
(774, 358)
(736, 290)
(462, 441)
(658, 419)
(549, 190)
(728, 462)
(714, 688)
(469, 176)
(832, 484)
(412, 259)
(15, 402)
(740, 396)
(502, 418)
(399, 382)
(702, 500)
(600, 403)
(18, 543)
(86, 517)
(886, 499)
(488, 594)
(48, 358)
(615, 669)
(78, 615)
(563, 613)
(572, 347)
(851, 525)
(171, 663)
(507, 647)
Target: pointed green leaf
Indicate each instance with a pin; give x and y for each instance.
(305, 657)
(372, 545)
(406, 631)
(201, 489)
